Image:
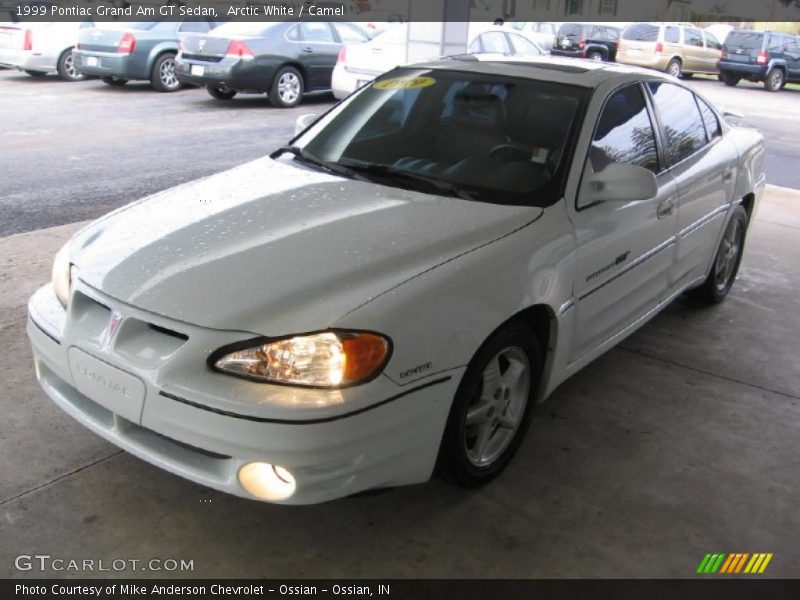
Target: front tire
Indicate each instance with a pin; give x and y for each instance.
(775, 80)
(220, 93)
(674, 67)
(114, 81)
(726, 264)
(287, 88)
(66, 67)
(492, 408)
(163, 77)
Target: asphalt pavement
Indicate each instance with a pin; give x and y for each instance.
(74, 151)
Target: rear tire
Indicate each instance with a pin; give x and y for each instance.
(114, 81)
(726, 262)
(775, 80)
(66, 67)
(287, 88)
(729, 79)
(674, 67)
(36, 73)
(163, 77)
(492, 408)
(595, 55)
(220, 93)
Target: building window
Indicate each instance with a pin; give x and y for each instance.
(607, 7)
(573, 7)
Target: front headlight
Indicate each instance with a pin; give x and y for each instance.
(62, 275)
(329, 359)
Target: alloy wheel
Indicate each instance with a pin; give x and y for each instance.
(289, 88)
(167, 74)
(496, 413)
(728, 256)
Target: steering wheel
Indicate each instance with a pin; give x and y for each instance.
(510, 152)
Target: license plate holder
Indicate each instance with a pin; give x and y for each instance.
(197, 70)
(110, 387)
(92, 61)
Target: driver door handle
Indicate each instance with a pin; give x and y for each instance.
(665, 208)
(307, 49)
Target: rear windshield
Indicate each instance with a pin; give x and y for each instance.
(641, 32)
(748, 40)
(571, 29)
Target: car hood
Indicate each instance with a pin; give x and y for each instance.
(272, 248)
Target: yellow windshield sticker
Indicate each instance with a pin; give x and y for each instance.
(405, 83)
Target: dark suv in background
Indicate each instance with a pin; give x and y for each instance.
(767, 56)
(587, 40)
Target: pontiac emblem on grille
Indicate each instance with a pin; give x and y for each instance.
(113, 325)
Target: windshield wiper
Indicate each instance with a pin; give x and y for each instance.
(303, 157)
(420, 182)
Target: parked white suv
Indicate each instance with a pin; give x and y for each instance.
(41, 48)
(398, 287)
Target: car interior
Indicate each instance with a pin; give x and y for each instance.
(503, 136)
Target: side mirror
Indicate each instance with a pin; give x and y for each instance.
(304, 121)
(621, 182)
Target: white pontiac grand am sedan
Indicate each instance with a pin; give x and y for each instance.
(393, 292)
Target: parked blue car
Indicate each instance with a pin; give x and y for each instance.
(120, 52)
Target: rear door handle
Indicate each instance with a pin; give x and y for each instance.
(665, 208)
(727, 175)
(307, 49)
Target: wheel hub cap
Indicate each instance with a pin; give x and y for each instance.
(289, 87)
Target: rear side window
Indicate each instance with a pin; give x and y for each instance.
(624, 132)
(316, 31)
(746, 40)
(349, 34)
(775, 43)
(524, 46)
(680, 120)
(672, 35)
(792, 45)
(709, 119)
(641, 32)
(495, 42)
(692, 37)
(711, 41)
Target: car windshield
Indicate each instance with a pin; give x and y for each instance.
(482, 137)
(747, 40)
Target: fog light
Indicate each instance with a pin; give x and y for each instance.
(267, 482)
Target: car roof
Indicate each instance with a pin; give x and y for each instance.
(579, 72)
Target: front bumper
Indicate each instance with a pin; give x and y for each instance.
(108, 64)
(181, 424)
(26, 60)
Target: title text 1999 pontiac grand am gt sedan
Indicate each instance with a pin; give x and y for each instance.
(395, 290)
